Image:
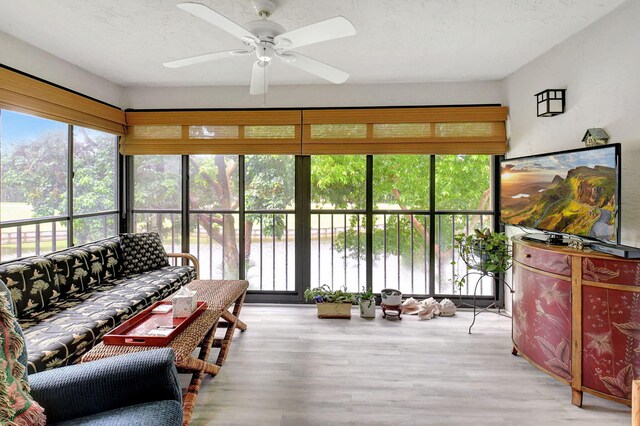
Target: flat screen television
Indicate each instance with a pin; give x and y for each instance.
(574, 192)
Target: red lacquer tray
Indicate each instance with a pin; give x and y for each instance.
(136, 331)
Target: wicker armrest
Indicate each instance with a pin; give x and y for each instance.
(188, 257)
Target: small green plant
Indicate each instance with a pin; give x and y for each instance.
(366, 296)
(324, 294)
(483, 251)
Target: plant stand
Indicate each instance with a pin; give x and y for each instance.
(476, 261)
(493, 305)
(391, 310)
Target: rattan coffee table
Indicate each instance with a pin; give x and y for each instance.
(220, 295)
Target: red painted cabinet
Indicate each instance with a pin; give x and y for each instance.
(576, 315)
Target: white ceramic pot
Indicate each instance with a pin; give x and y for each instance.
(391, 297)
(367, 308)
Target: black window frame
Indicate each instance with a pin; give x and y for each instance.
(70, 216)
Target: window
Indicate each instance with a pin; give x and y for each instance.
(230, 198)
(338, 237)
(379, 221)
(157, 186)
(95, 183)
(214, 218)
(270, 221)
(401, 232)
(464, 201)
(34, 168)
(418, 203)
(36, 156)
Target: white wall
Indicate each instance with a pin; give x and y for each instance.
(600, 68)
(316, 95)
(31, 60)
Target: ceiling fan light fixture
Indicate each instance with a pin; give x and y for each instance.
(264, 52)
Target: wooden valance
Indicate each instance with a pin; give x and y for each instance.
(446, 130)
(212, 132)
(21, 93)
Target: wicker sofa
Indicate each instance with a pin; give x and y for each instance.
(67, 300)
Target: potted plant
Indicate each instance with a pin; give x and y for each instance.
(367, 302)
(391, 297)
(483, 251)
(331, 303)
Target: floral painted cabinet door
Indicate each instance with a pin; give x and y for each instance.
(610, 326)
(542, 320)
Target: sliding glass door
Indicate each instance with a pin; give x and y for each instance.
(240, 214)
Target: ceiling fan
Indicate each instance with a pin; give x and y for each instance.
(269, 40)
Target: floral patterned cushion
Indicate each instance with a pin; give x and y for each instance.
(142, 252)
(16, 405)
(31, 282)
(73, 325)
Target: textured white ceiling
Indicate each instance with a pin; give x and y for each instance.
(126, 41)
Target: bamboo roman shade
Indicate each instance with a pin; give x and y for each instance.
(22, 93)
(447, 130)
(212, 132)
(441, 130)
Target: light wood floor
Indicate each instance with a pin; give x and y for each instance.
(291, 368)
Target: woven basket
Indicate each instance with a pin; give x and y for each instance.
(334, 310)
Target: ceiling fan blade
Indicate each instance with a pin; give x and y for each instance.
(314, 67)
(260, 75)
(203, 12)
(205, 58)
(329, 29)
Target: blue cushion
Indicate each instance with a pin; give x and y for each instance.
(157, 413)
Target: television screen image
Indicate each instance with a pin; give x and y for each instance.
(571, 192)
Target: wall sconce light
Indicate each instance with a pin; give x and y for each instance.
(550, 102)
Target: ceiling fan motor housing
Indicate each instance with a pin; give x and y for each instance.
(265, 30)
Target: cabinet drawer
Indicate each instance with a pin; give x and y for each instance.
(545, 260)
(611, 270)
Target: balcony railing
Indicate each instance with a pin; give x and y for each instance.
(338, 250)
(401, 251)
(40, 236)
(401, 244)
